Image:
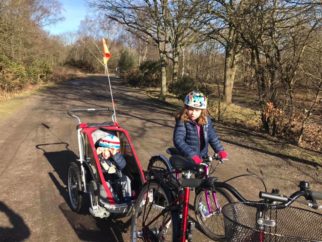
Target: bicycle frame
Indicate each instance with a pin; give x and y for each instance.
(185, 214)
(185, 197)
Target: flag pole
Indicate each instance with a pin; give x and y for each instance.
(106, 57)
(110, 86)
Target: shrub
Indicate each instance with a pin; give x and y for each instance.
(13, 76)
(185, 85)
(38, 72)
(81, 64)
(126, 62)
(148, 75)
(133, 78)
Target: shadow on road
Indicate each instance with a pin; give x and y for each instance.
(90, 229)
(85, 226)
(59, 160)
(18, 231)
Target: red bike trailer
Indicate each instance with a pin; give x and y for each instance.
(86, 176)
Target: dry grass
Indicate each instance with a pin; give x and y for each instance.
(235, 114)
(65, 73)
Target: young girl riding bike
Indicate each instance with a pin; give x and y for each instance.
(194, 129)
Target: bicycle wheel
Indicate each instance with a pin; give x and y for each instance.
(158, 164)
(211, 221)
(153, 220)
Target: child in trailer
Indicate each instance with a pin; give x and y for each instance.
(113, 162)
(194, 129)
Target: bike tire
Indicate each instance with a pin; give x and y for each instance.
(158, 164)
(212, 224)
(153, 204)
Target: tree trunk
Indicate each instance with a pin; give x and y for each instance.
(230, 65)
(163, 76)
(183, 64)
(175, 67)
(230, 73)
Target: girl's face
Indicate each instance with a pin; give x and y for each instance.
(193, 113)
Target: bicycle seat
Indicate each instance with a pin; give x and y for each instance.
(173, 151)
(183, 164)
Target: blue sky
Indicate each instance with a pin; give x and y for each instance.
(73, 11)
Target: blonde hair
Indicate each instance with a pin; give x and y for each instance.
(183, 116)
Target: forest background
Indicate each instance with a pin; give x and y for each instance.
(259, 61)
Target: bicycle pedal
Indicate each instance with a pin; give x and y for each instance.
(191, 225)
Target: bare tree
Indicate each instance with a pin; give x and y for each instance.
(220, 22)
(276, 34)
(181, 20)
(46, 12)
(166, 23)
(310, 77)
(144, 18)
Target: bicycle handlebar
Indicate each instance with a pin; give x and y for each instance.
(72, 112)
(309, 195)
(209, 159)
(270, 198)
(273, 197)
(316, 195)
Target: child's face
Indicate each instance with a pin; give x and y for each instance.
(193, 113)
(107, 152)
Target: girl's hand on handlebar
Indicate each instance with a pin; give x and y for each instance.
(197, 159)
(223, 155)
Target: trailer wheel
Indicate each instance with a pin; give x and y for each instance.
(75, 187)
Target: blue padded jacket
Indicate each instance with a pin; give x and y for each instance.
(186, 140)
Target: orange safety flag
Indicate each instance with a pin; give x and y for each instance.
(107, 55)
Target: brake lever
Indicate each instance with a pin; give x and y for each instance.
(216, 157)
(222, 161)
(314, 205)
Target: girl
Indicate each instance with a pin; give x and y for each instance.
(194, 129)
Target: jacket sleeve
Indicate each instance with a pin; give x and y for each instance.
(119, 160)
(213, 137)
(179, 136)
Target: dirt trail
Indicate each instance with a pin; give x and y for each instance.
(39, 140)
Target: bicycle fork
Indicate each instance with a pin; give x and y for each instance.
(214, 197)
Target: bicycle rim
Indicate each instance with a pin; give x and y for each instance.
(152, 220)
(211, 222)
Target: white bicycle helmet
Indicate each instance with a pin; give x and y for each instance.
(110, 141)
(196, 99)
